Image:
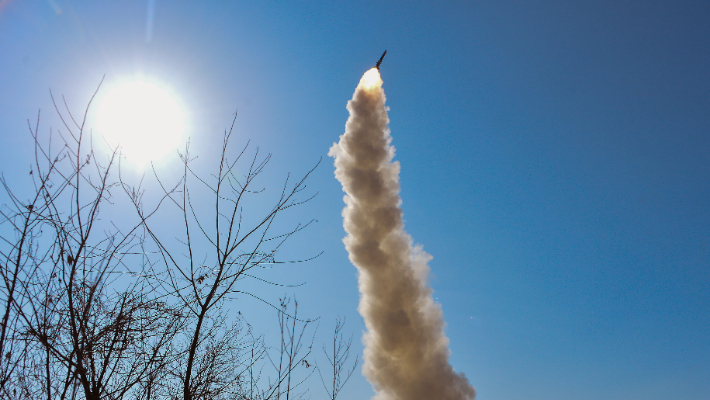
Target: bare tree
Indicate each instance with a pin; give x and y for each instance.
(78, 316)
(290, 354)
(93, 308)
(220, 245)
(338, 360)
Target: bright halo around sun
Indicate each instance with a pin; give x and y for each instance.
(146, 120)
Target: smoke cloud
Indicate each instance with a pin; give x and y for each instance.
(406, 351)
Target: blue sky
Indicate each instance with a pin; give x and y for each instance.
(555, 160)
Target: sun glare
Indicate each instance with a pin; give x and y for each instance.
(144, 119)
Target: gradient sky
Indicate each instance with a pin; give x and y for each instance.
(555, 161)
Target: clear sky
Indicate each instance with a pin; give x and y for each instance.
(555, 160)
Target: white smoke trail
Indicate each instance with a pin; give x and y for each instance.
(406, 350)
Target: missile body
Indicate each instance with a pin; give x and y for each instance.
(380, 62)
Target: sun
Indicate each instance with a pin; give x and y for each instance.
(144, 119)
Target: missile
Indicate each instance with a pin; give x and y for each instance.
(380, 62)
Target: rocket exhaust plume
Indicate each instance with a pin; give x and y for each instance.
(406, 351)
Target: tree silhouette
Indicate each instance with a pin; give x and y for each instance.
(97, 307)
